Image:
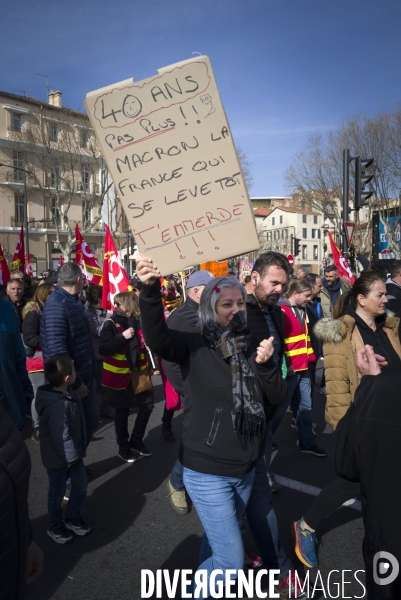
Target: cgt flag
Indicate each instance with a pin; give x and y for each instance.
(28, 266)
(85, 259)
(115, 279)
(18, 262)
(342, 266)
(4, 270)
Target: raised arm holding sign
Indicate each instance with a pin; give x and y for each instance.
(169, 149)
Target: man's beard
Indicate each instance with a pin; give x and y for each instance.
(263, 298)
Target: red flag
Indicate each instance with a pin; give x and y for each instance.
(342, 266)
(28, 266)
(60, 261)
(115, 279)
(4, 270)
(85, 259)
(18, 262)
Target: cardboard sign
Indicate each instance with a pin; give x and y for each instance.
(170, 152)
(217, 269)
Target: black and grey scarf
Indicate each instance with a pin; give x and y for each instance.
(248, 415)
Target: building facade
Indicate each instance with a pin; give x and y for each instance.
(51, 152)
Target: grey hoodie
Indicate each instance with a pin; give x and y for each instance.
(62, 430)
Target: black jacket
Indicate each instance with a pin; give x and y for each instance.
(313, 318)
(15, 530)
(183, 318)
(62, 429)
(17, 309)
(367, 449)
(209, 443)
(31, 329)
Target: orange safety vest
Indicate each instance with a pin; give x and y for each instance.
(297, 344)
(116, 371)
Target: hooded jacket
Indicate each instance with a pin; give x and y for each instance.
(62, 429)
(325, 297)
(367, 449)
(341, 341)
(209, 443)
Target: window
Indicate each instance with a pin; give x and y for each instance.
(286, 234)
(86, 177)
(315, 219)
(304, 233)
(304, 252)
(281, 219)
(273, 218)
(86, 212)
(269, 236)
(18, 162)
(55, 210)
(53, 132)
(274, 235)
(16, 122)
(84, 139)
(19, 208)
(54, 179)
(303, 218)
(282, 233)
(318, 234)
(314, 233)
(315, 253)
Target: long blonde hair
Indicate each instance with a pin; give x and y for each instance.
(130, 303)
(39, 298)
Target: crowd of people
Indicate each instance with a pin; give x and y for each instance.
(237, 356)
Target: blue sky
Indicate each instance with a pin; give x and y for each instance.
(284, 68)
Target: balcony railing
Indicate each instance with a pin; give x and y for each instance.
(16, 177)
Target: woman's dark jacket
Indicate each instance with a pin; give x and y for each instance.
(367, 449)
(31, 329)
(209, 443)
(111, 342)
(15, 530)
(64, 331)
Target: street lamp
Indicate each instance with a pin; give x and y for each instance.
(25, 171)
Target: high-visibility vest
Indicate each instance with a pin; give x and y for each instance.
(297, 344)
(170, 302)
(116, 372)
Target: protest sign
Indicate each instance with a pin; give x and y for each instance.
(170, 152)
(217, 269)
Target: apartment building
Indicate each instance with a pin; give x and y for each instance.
(51, 152)
(304, 224)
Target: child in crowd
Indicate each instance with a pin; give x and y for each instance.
(62, 435)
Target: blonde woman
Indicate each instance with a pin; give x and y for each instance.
(123, 350)
(31, 315)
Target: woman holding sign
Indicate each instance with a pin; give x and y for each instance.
(228, 382)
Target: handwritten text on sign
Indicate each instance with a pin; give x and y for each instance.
(169, 149)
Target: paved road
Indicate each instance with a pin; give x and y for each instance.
(134, 527)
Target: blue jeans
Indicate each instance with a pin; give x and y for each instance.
(220, 503)
(90, 405)
(300, 398)
(177, 476)
(263, 521)
(57, 483)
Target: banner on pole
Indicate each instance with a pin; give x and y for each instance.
(339, 261)
(170, 152)
(18, 262)
(4, 270)
(115, 279)
(85, 259)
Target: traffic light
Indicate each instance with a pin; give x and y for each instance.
(297, 246)
(361, 181)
